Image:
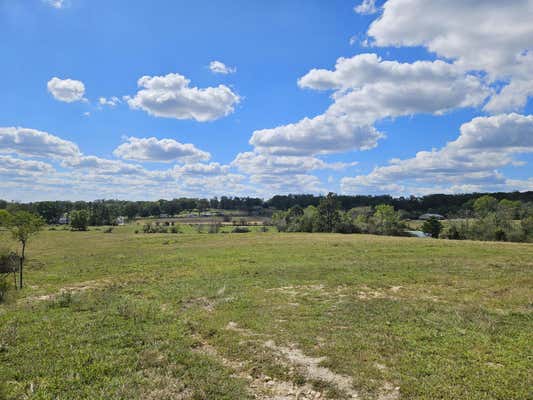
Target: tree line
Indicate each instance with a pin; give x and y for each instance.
(105, 212)
(488, 219)
(450, 205)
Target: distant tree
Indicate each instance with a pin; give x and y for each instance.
(5, 217)
(527, 226)
(432, 227)
(387, 220)
(23, 225)
(509, 209)
(202, 205)
(131, 210)
(328, 213)
(294, 213)
(485, 205)
(79, 220)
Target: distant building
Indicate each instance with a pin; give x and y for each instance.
(120, 220)
(163, 215)
(418, 234)
(64, 220)
(429, 215)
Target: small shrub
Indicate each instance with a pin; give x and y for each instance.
(109, 230)
(4, 287)
(64, 299)
(174, 230)
(240, 229)
(136, 231)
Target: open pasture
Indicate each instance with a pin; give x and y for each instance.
(268, 316)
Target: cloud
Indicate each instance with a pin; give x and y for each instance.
(34, 143)
(56, 3)
(270, 184)
(260, 164)
(322, 134)
(484, 145)
(103, 166)
(218, 67)
(170, 96)
(366, 7)
(491, 36)
(199, 169)
(11, 167)
(159, 150)
(66, 90)
(368, 89)
(111, 102)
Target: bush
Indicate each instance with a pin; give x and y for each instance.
(174, 229)
(79, 220)
(432, 227)
(240, 229)
(109, 230)
(4, 287)
(136, 231)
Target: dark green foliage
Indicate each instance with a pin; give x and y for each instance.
(328, 214)
(432, 227)
(79, 220)
(240, 229)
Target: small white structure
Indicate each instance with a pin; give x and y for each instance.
(64, 220)
(120, 220)
(163, 215)
(429, 215)
(418, 234)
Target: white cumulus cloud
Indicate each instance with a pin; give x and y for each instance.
(159, 150)
(170, 96)
(368, 89)
(485, 35)
(218, 67)
(34, 143)
(484, 145)
(66, 90)
(366, 7)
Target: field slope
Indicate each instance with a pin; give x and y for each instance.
(268, 316)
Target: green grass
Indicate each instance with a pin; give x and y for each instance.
(440, 319)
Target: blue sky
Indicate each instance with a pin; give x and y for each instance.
(282, 118)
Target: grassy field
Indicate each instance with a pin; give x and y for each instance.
(268, 316)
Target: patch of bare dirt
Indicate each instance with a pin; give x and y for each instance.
(262, 387)
(311, 367)
(78, 288)
(342, 292)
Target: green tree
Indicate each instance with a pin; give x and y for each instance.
(5, 217)
(485, 205)
(202, 205)
(23, 225)
(509, 209)
(131, 210)
(387, 220)
(527, 226)
(432, 227)
(328, 213)
(79, 220)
